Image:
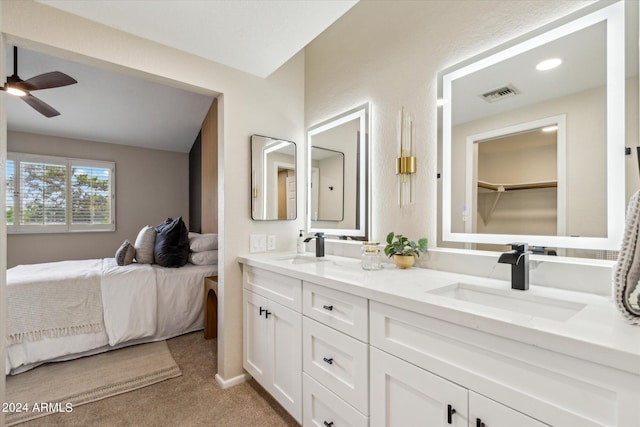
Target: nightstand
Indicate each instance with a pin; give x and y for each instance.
(210, 307)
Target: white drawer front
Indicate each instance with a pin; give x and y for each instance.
(322, 408)
(338, 362)
(548, 386)
(282, 289)
(345, 312)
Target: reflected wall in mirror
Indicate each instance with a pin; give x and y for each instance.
(273, 179)
(327, 185)
(570, 191)
(338, 175)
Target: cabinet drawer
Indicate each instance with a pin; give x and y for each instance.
(345, 312)
(282, 289)
(548, 386)
(337, 361)
(323, 408)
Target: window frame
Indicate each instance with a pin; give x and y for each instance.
(68, 226)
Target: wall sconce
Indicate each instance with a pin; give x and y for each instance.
(406, 163)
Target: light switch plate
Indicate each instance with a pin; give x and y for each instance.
(257, 243)
(271, 242)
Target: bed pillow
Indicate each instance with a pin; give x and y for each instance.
(172, 243)
(144, 245)
(203, 242)
(125, 253)
(204, 258)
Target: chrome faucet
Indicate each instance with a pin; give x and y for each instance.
(319, 244)
(518, 257)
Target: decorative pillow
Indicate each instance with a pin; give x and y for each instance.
(204, 258)
(144, 245)
(125, 253)
(203, 242)
(172, 243)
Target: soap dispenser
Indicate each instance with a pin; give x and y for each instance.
(301, 244)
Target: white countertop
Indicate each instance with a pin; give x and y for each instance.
(596, 333)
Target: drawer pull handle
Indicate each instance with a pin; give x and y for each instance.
(450, 412)
(479, 423)
(328, 424)
(328, 360)
(262, 310)
(266, 314)
(328, 307)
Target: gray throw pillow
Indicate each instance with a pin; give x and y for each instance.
(125, 253)
(144, 245)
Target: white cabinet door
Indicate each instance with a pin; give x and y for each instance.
(403, 395)
(255, 355)
(484, 412)
(272, 351)
(285, 335)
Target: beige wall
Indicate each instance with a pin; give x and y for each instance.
(246, 105)
(389, 53)
(143, 197)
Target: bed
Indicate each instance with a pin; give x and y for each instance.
(68, 309)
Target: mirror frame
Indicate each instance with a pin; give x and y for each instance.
(363, 230)
(254, 179)
(614, 16)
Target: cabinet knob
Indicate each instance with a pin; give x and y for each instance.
(479, 423)
(328, 307)
(328, 424)
(450, 412)
(328, 360)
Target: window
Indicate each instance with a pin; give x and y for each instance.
(48, 194)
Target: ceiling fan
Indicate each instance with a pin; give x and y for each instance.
(23, 88)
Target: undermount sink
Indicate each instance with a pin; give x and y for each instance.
(301, 259)
(512, 300)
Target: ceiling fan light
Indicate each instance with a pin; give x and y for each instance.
(15, 91)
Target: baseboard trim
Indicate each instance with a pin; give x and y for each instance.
(232, 381)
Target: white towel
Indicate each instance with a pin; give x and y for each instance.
(627, 270)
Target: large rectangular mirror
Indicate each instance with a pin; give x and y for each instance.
(338, 175)
(273, 179)
(535, 153)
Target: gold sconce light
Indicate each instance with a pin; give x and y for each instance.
(406, 163)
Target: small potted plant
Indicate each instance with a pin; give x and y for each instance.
(403, 250)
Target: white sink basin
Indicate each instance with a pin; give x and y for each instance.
(301, 259)
(512, 300)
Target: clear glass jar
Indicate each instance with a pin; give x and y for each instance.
(371, 256)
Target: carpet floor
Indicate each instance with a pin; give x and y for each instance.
(193, 399)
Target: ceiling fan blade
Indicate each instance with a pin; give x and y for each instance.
(47, 81)
(40, 106)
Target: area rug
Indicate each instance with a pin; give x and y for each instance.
(59, 387)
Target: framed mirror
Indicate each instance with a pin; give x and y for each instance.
(273, 179)
(534, 153)
(338, 175)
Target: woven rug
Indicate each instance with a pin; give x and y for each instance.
(59, 387)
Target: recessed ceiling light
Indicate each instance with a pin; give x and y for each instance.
(552, 128)
(548, 64)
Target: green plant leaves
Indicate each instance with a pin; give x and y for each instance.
(403, 246)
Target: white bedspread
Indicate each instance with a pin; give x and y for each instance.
(140, 303)
(53, 299)
(129, 298)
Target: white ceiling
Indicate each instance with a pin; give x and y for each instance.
(254, 36)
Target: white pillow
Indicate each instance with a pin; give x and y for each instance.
(203, 242)
(204, 258)
(144, 244)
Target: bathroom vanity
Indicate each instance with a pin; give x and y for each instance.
(340, 346)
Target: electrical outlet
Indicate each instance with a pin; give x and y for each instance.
(271, 242)
(257, 243)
